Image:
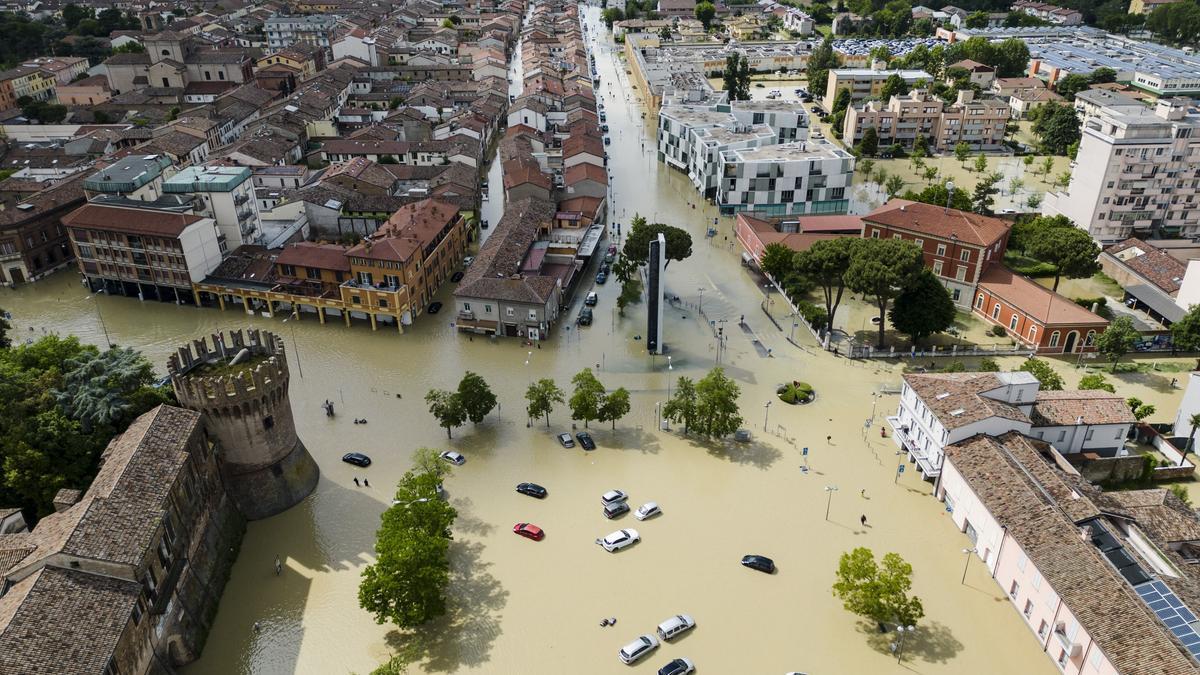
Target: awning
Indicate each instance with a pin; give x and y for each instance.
(1154, 298)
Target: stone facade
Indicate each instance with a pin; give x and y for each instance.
(265, 466)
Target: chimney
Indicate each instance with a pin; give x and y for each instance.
(65, 499)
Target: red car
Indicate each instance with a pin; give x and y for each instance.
(529, 531)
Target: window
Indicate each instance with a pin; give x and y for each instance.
(364, 278)
(1090, 339)
(1054, 339)
(965, 256)
(996, 311)
(1014, 590)
(287, 270)
(487, 309)
(466, 306)
(960, 273)
(533, 315)
(1037, 579)
(897, 237)
(1012, 323)
(312, 273)
(509, 312)
(383, 303)
(1042, 627)
(941, 249)
(1028, 608)
(1088, 435)
(1120, 434)
(356, 300)
(937, 268)
(956, 294)
(1022, 561)
(1062, 435)
(1062, 658)
(874, 234)
(979, 301)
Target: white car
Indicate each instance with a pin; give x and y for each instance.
(637, 649)
(618, 540)
(647, 510)
(612, 497)
(675, 626)
(453, 457)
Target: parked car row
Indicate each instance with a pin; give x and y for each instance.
(667, 631)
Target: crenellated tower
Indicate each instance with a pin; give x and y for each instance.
(245, 405)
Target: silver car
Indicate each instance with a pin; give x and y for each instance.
(637, 649)
(675, 626)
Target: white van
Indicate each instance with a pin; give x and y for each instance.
(674, 626)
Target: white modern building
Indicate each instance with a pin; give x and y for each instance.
(225, 194)
(313, 29)
(937, 410)
(1137, 172)
(811, 176)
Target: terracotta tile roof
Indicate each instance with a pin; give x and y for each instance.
(495, 273)
(1036, 300)
(1157, 511)
(131, 221)
(578, 173)
(920, 218)
(1064, 408)
(409, 230)
(582, 143)
(321, 256)
(1154, 264)
(1103, 603)
(957, 399)
(63, 621)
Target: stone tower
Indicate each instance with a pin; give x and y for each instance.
(264, 464)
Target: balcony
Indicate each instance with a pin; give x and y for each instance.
(930, 464)
(386, 288)
(466, 315)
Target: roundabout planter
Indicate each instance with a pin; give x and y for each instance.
(796, 393)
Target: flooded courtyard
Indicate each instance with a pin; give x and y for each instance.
(518, 606)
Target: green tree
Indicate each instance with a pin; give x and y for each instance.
(893, 186)
(447, 408)
(879, 592)
(1072, 251)
(1194, 421)
(981, 163)
(1057, 127)
(920, 146)
(476, 397)
(938, 195)
(923, 308)
(869, 145)
(820, 62)
(637, 241)
(1050, 380)
(825, 263)
(841, 101)
(541, 397)
(778, 261)
(894, 85)
(631, 293)
(611, 16)
(881, 269)
(97, 385)
(1034, 200)
(614, 406)
(977, 19)
(72, 14)
(705, 11)
(407, 583)
(982, 198)
(989, 365)
(737, 77)
(682, 406)
(1047, 165)
(1118, 339)
(429, 461)
(1177, 22)
(5, 326)
(587, 398)
(716, 404)
(962, 150)
(865, 166)
(1093, 381)
(1139, 409)
(1072, 84)
(1185, 333)
(930, 174)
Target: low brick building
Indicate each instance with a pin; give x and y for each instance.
(1034, 315)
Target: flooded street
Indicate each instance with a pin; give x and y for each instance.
(520, 607)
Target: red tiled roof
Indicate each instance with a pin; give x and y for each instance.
(131, 221)
(585, 171)
(1034, 299)
(308, 254)
(920, 218)
(1156, 265)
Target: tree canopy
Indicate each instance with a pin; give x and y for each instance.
(476, 397)
(447, 408)
(1072, 251)
(737, 77)
(881, 269)
(705, 11)
(1057, 127)
(587, 398)
(682, 406)
(923, 308)
(1118, 339)
(820, 62)
(540, 398)
(716, 404)
(637, 240)
(1049, 379)
(825, 263)
(879, 592)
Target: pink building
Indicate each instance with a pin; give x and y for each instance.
(1098, 577)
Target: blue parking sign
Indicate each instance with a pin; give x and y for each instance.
(804, 452)
(901, 468)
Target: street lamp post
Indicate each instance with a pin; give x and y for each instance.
(700, 305)
(949, 195)
(902, 630)
(100, 316)
(669, 369)
(899, 465)
(658, 414)
(829, 490)
(966, 564)
(766, 412)
(296, 348)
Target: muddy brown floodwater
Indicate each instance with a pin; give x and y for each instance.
(518, 606)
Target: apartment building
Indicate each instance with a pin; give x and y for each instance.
(25, 81)
(226, 195)
(138, 177)
(142, 252)
(958, 246)
(810, 176)
(313, 29)
(980, 124)
(1136, 173)
(864, 83)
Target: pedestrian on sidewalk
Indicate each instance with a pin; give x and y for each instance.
(366, 483)
(863, 493)
(356, 481)
(863, 519)
(278, 566)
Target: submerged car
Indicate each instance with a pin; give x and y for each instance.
(647, 510)
(357, 459)
(585, 316)
(585, 440)
(759, 562)
(675, 626)
(678, 667)
(591, 299)
(613, 496)
(615, 509)
(565, 440)
(453, 457)
(529, 531)
(618, 540)
(638, 649)
(532, 490)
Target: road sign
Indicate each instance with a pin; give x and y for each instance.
(804, 452)
(901, 468)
